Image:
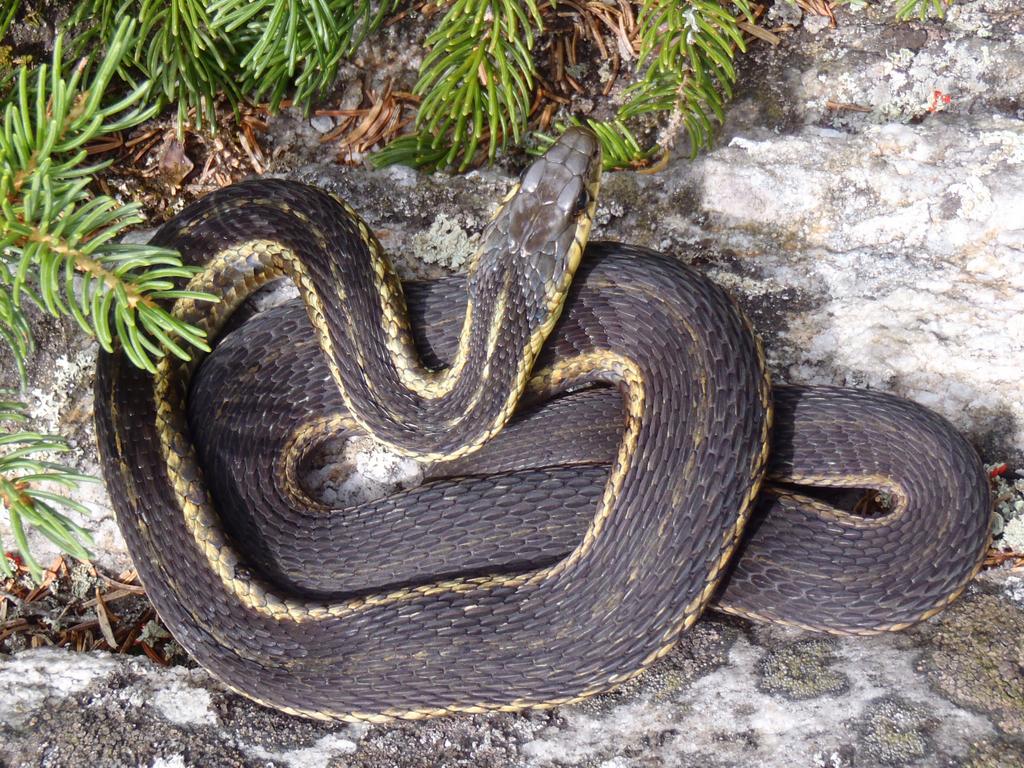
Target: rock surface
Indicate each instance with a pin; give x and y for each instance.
(950, 692)
(880, 246)
(881, 254)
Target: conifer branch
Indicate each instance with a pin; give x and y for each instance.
(194, 50)
(27, 475)
(57, 244)
(476, 83)
(687, 50)
(290, 43)
(174, 49)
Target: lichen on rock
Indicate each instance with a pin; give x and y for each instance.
(802, 670)
(897, 732)
(975, 657)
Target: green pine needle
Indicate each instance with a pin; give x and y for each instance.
(292, 43)
(416, 150)
(620, 147)
(27, 474)
(57, 244)
(922, 9)
(907, 9)
(476, 83)
(194, 50)
(174, 48)
(477, 80)
(14, 328)
(687, 50)
(7, 16)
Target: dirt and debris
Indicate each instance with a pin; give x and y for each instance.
(163, 166)
(380, 119)
(78, 607)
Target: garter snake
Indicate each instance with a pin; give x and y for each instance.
(560, 550)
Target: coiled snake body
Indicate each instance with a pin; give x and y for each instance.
(567, 553)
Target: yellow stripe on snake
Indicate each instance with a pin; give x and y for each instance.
(599, 419)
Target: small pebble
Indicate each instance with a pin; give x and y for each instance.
(322, 123)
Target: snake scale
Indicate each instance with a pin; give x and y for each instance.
(600, 424)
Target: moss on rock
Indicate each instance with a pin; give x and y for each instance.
(995, 753)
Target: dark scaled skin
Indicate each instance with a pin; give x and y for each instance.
(447, 615)
(514, 641)
(534, 487)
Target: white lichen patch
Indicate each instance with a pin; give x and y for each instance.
(828, 760)
(973, 56)
(744, 284)
(47, 406)
(326, 749)
(31, 679)
(1013, 588)
(445, 243)
(1013, 535)
(1008, 503)
(177, 761)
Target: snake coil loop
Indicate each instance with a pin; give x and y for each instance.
(558, 549)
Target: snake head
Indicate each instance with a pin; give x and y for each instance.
(533, 246)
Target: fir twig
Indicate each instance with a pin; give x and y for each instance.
(174, 48)
(292, 43)
(25, 472)
(476, 83)
(687, 50)
(195, 50)
(685, 54)
(56, 241)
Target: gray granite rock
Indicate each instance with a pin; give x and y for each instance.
(949, 692)
(881, 248)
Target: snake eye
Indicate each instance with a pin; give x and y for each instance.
(582, 200)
